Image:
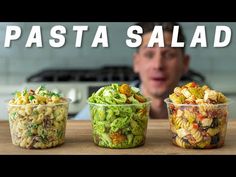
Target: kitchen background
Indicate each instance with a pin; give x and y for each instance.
(18, 63)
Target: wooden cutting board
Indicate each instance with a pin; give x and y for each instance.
(79, 142)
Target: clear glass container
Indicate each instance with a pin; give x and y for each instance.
(198, 126)
(38, 126)
(119, 125)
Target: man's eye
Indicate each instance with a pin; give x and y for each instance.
(169, 55)
(149, 55)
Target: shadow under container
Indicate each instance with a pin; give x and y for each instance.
(38, 126)
(119, 125)
(200, 126)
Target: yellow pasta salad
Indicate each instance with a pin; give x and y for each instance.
(37, 118)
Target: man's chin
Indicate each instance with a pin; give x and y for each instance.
(160, 85)
(158, 92)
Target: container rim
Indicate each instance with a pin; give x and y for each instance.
(68, 101)
(167, 101)
(133, 104)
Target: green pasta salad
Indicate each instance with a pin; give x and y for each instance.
(119, 116)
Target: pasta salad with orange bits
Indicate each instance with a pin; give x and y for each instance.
(198, 116)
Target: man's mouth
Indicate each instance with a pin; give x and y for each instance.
(158, 79)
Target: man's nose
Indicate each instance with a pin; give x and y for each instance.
(158, 61)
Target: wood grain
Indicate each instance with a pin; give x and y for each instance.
(79, 142)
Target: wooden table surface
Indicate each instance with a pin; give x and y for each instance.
(79, 142)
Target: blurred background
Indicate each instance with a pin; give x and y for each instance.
(77, 72)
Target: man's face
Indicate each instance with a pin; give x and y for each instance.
(160, 68)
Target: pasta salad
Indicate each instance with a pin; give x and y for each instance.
(37, 118)
(119, 116)
(198, 116)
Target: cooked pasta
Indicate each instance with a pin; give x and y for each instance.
(180, 142)
(181, 123)
(196, 134)
(37, 118)
(198, 116)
